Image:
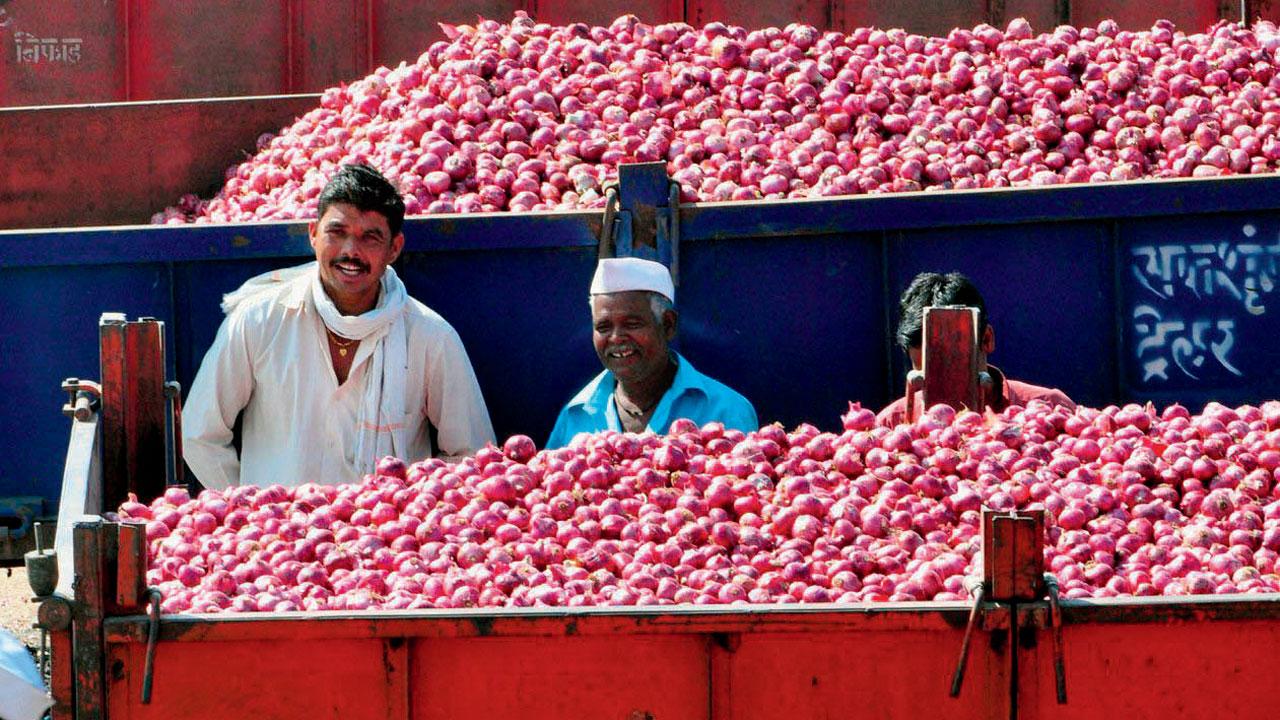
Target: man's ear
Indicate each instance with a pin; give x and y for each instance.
(397, 244)
(311, 233)
(670, 320)
(988, 340)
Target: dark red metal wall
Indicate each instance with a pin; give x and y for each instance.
(144, 156)
(158, 49)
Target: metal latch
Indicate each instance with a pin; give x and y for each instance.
(85, 400)
(1013, 578)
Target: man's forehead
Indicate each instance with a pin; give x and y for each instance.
(621, 303)
(347, 214)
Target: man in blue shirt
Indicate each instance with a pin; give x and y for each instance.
(645, 385)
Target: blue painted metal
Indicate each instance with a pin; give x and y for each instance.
(18, 514)
(792, 303)
(1201, 306)
(52, 335)
(1047, 297)
(644, 212)
(794, 324)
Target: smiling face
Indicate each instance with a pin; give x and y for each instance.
(630, 342)
(353, 249)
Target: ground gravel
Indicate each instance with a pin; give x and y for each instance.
(17, 612)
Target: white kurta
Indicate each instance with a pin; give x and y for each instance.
(271, 360)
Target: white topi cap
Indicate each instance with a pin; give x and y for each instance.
(627, 274)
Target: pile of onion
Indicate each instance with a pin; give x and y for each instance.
(1137, 504)
(528, 116)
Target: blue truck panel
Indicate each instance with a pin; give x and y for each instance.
(525, 324)
(52, 335)
(1048, 290)
(795, 324)
(1200, 310)
(1140, 291)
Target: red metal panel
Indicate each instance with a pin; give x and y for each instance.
(231, 47)
(330, 43)
(682, 663)
(403, 29)
(812, 619)
(1262, 10)
(1190, 15)
(595, 12)
(1129, 659)
(349, 679)
(818, 13)
(59, 51)
(562, 677)
(49, 180)
(1196, 669)
(1042, 14)
(898, 674)
(927, 17)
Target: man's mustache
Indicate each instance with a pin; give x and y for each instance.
(350, 261)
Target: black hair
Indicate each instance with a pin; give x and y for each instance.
(932, 290)
(366, 189)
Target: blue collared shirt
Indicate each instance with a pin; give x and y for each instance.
(692, 395)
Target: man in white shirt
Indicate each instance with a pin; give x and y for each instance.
(333, 365)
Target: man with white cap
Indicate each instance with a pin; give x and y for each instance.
(333, 365)
(645, 385)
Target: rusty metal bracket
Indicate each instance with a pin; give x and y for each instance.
(1011, 594)
(957, 678)
(173, 392)
(153, 635)
(85, 398)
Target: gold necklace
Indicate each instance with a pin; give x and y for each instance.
(342, 346)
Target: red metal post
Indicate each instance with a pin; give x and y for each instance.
(88, 653)
(61, 676)
(113, 372)
(1013, 555)
(134, 408)
(950, 351)
(54, 616)
(148, 404)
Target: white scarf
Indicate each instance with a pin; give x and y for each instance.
(380, 424)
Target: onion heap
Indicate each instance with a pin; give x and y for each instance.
(1136, 503)
(528, 116)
